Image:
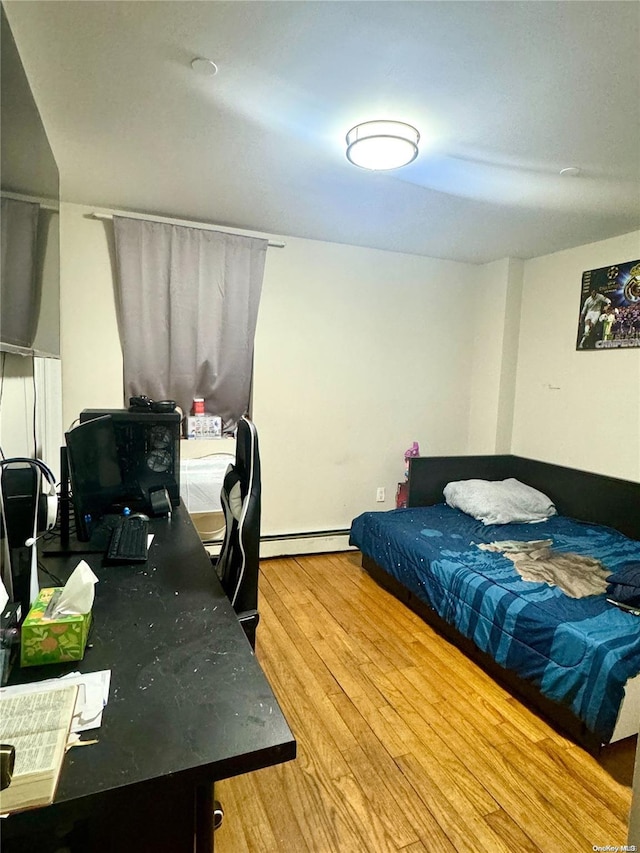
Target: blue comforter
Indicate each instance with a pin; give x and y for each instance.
(579, 652)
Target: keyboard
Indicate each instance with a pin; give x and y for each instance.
(128, 541)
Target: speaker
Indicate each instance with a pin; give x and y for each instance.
(148, 449)
(23, 479)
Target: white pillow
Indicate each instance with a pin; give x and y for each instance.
(500, 501)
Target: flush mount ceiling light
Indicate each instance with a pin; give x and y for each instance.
(379, 145)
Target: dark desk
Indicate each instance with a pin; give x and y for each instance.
(188, 704)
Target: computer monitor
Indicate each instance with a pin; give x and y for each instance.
(94, 473)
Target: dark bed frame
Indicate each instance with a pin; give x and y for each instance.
(580, 494)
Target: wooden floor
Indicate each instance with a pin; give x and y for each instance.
(404, 744)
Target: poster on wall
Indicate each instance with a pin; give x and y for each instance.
(610, 307)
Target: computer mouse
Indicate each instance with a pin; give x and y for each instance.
(139, 515)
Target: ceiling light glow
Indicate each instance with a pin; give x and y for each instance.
(381, 145)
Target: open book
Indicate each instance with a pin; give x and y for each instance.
(37, 725)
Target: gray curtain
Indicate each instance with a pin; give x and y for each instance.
(21, 288)
(187, 304)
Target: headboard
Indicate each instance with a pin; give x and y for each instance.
(580, 494)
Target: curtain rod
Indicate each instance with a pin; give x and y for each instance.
(45, 204)
(185, 222)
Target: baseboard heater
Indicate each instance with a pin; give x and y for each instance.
(310, 534)
(285, 537)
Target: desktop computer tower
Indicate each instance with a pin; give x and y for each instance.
(148, 446)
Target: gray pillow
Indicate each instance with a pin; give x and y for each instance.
(499, 501)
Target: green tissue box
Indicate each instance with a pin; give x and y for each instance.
(52, 640)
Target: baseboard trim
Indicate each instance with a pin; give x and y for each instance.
(309, 534)
(296, 544)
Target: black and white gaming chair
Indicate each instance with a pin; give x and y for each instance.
(238, 563)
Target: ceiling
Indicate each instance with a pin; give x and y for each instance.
(505, 95)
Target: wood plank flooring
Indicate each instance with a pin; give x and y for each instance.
(403, 743)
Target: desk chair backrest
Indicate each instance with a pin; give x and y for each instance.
(237, 566)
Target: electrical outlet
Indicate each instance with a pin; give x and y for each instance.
(380, 494)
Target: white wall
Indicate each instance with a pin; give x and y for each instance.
(358, 353)
(580, 409)
(31, 403)
(16, 410)
(90, 346)
(497, 297)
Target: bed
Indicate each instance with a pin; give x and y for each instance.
(576, 660)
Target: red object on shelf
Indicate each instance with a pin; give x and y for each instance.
(402, 495)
